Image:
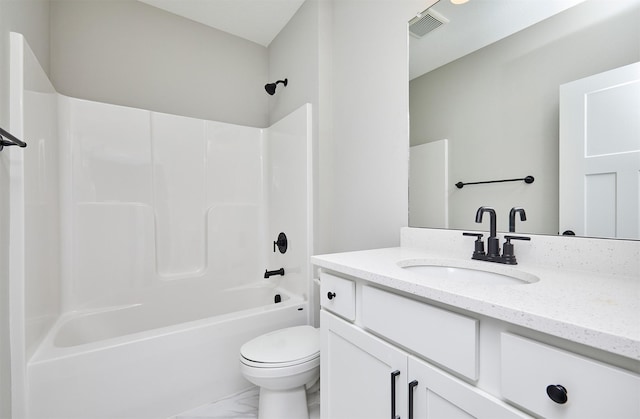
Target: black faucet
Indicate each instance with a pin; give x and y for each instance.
(493, 243)
(512, 218)
(267, 274)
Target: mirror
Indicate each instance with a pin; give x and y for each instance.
(484, 103)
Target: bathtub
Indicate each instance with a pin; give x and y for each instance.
(153, 358)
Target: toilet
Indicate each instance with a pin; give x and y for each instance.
(284, 364)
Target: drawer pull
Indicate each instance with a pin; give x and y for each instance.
(557, 393)
(412, 386)
(394, 374)
(331, 295)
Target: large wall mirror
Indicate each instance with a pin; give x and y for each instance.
(485, 103)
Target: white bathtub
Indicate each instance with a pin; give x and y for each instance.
(156, 358)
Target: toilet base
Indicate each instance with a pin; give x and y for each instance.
(283, 404)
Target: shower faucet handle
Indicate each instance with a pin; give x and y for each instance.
(281, 243)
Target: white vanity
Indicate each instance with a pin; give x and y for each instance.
(559, 337)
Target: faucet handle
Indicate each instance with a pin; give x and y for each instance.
(478, 251)
(508, 256)
(478, 235)
(509, 238)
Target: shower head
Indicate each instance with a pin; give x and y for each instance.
(271, 87)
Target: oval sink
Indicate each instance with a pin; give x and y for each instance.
(465, 274)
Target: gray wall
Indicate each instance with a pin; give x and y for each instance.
(31, 18)
(499, 109)
(357, 81)
(296, 54)
(367, 157)
(129, 53)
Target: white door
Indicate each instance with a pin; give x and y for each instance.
(439, 395)
(359, 374)
(600, 154)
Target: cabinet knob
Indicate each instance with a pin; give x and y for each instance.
(557, 393)
(331, 295)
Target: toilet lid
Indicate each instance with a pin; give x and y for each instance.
(283, 346)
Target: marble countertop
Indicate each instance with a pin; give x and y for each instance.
(597, 310)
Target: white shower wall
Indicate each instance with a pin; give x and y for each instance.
(108, 201)
(289, 194)
(153, 197)
(34, 273)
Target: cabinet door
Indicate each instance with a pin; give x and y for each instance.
(359, 373)
(439, 395)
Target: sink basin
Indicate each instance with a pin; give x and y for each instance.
(500, 276)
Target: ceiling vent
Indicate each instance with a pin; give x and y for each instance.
(426, 22)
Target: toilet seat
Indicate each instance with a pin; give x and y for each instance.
(282, 348)
(258, 364)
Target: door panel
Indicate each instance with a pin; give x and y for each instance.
(600, 154)
(356, 373)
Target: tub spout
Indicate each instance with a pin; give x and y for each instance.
(267, 274)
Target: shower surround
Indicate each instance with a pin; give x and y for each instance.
(164, 226)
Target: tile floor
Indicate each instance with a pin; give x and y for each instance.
(242, 406)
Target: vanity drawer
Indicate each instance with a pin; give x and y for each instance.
(593, 389)
(444, 337)
(338, 295)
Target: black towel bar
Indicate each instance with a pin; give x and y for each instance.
(528, 179)
(10, 140)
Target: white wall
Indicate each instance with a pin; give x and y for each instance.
(355, 72)
(368, 152)
(503, 100)
(288, 191)
(336, 54)
(300, 54)
(41, 202)
(130, 53)
(32, 19)
(168, 197)
(34, 273)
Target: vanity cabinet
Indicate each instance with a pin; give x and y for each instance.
(366, 376)
(393, 356)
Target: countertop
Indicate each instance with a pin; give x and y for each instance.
(594, 309)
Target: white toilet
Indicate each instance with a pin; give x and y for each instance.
(283, 364)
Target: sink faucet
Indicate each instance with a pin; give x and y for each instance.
(512, 218)
(493, 244)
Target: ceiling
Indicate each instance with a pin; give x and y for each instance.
(474, 25)
(471, 26)
(255, 20)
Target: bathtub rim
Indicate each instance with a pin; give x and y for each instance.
(47, 351)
